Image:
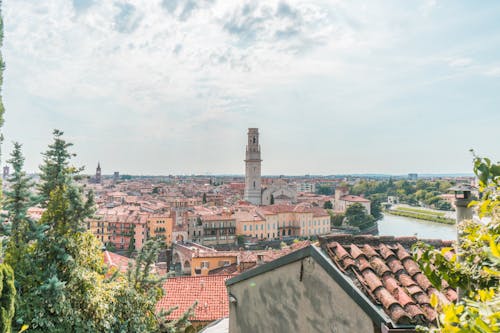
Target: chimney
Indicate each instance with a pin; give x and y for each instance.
(463, 198)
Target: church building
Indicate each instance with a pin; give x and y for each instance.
(254, 193)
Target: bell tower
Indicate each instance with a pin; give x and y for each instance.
(253, 192)
(98, 173)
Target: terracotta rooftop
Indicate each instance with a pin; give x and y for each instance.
(115, 260)
(209, 291)
(354, 198)
(225, 270)
(383, 268)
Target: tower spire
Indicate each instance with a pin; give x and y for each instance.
(253, 161)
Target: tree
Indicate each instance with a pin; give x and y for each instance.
(57, 176)
(22, 229)
(7, 298)
(324, 190)
(19, 198)
(2, 109)
(328, 205)
(376, 210)
(135, 306)
(271, 201)
(474, 267)
(336, 219)
(204, 199)
(357, 216)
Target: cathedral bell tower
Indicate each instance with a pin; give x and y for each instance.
(253, 191)
(98, 173)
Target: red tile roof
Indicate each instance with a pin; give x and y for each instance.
(209, 291)
(385, 271)
(115, 260)
(354, 198)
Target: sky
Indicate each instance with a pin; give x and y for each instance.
(171, 86)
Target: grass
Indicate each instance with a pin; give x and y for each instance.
(421, 211)
(421, 214)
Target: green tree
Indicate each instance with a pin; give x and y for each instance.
(336, 219)
(474, 267)
(18, 198)
(328, 205)
(2, 109)
(357, 216)
(22, 229)
(376, 210)
(272, 200)
(204, 199)
(7, 298)
(324, 190)
(57, 176)
(135, 307)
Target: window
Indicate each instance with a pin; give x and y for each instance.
(261, 227)
(205, 264)
(244, 227)
(250, 227)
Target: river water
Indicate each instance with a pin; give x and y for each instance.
(405, 226)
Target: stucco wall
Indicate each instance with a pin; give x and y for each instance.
(278, 301)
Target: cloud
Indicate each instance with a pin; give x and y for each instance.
(459, 62)
(82, 5)
(299, 27)
(128, 18)
(183, 9)
(162, 71)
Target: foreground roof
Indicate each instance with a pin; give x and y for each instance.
(377, 272)
(209, 291)
(384, 270)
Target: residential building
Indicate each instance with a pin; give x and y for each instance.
(219, 229)
(160, 226)
(343, 200)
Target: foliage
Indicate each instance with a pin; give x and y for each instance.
(357, 216)
(336, 219)
(271, 201)
(421, 216)
(61, 281)
(7, 298)
(420, 192)
(475, 270)
(376, 210)
(324, 190)
(2, 67)
(241, 240)
(328, 205)
(204, 198)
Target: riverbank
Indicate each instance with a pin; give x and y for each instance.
(421, 214)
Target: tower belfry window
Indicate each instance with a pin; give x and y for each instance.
(254, 139)
(254, 184)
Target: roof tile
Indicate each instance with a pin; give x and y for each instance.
(385, 270)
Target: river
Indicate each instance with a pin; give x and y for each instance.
(405, 226)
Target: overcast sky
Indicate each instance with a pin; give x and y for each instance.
(171, 86)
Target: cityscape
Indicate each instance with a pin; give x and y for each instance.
(249, 167)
